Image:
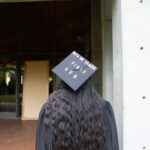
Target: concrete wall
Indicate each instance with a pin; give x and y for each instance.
(117, 68)
(107, 57)
(112, 60)
(131, 72)
(136, 73)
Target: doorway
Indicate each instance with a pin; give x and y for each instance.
(43, 31)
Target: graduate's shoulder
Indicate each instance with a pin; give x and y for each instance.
(51, 96)
(106, 106)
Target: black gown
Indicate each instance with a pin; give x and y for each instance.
(111, 141)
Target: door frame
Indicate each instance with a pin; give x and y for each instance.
(18, 79)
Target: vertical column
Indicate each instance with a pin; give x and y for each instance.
(96, 49)
(117, 68)
(18, 81)
(107, 50)
(18, 62)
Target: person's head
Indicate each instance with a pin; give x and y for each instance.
(75, 118)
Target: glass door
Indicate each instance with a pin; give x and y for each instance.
(8, 89)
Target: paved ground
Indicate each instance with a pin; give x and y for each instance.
(17, 134)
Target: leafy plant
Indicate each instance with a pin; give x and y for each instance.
(7, 98)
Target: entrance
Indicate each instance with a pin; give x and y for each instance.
(48, 31)
(11, 85)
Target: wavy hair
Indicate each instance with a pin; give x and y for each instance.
(75, 118)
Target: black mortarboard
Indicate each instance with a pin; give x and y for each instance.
(74, 70)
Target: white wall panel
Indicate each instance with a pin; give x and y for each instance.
(136, 73)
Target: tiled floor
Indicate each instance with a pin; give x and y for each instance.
(17, 134)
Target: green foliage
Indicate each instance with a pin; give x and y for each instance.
(7, 98)
(7, 89)
(3, 70)
(11, 88)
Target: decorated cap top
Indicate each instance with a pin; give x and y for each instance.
(74, 70)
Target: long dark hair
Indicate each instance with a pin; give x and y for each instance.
(75, 118)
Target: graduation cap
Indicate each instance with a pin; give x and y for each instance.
(74, 70)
